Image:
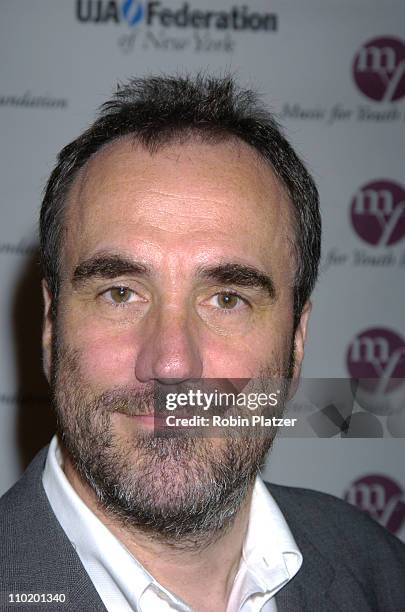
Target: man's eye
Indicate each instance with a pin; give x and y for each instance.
(120, 295)
(227, 301)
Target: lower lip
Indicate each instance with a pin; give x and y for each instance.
(149, 421)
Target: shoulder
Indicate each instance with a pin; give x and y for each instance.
(297, 501)
(36, 556)
(340, 531)
(25, 516)
(325, 510)
(21, 496)
(347, 555)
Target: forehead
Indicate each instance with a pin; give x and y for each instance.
(190, 195)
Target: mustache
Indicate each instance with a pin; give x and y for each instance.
(151, 399)
(130, 402)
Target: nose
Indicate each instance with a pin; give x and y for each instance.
(169, 352)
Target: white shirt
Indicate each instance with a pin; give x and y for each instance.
(270, 555)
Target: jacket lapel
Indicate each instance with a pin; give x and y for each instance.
(309, 589)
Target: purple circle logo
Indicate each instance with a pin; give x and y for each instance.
(378, 212)
(379, 69)
(376, 357)
(381, 497)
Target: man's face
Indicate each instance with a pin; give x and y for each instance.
(176, 265)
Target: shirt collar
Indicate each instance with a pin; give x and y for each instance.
(270, 550)
(269, 544)
(270, 556)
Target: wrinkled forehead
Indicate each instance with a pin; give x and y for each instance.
(219, 195)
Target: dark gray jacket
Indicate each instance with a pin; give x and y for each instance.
(351, 564)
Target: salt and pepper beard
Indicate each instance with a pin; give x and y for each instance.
(185, 491)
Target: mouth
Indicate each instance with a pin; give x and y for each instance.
(148, 421)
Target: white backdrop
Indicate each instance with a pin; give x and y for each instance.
(335, 74)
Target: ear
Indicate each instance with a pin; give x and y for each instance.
(299, 339)
(47, 330)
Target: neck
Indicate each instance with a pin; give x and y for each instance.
(200, 572)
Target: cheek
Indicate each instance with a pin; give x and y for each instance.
(267, 345)
(107, 355)
(246, 357)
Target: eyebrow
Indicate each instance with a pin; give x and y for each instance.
(241, 275)
(107, 266)
(111, 266)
